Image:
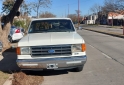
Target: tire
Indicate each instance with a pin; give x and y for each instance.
(79, 68)
(10, 39)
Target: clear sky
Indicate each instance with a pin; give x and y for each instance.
(60, 7)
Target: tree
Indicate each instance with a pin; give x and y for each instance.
(78, 11)
(95, 8)
(40, 3)
(7, 6)
(47, 15)
(73, 17)
(8, 20)
(110, 6)
(120, 4)
(25, 8)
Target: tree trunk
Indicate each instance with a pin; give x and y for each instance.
(38, 12)
(8, 20)
(4, 36)
(112, 20)
(123, 26)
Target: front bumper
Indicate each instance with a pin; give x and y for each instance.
(61, 63)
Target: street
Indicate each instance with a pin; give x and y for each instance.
(105, 64)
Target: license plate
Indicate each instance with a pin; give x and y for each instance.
(52, 66)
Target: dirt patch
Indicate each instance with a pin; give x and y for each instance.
(21, 78)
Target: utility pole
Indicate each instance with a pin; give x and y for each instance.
(68, 9)
(123, 25)
(78, 14)
(65, 13)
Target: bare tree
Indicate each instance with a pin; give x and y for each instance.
(40, 3)
(73, 17)
(25, 8)
(110, 6)
(120, 4)
(47, 15)
(95, 8)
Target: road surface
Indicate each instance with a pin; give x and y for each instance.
(105, 64)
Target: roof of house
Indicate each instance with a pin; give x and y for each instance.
(114, 14)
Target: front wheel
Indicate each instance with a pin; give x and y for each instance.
(79, 68)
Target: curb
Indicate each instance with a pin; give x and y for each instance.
(108, 33)
(9, 80)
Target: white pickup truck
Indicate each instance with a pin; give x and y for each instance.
(51, 43)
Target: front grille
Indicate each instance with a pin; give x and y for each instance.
(57, 50)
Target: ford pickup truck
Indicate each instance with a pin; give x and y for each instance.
(51, 43)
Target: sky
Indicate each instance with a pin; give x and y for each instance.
(60, 7)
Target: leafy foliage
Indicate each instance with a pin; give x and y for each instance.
(8, 5)
(19, 23)
(22, 23)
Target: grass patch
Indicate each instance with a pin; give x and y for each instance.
(3, 77)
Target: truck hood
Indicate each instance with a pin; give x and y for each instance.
(39, 39)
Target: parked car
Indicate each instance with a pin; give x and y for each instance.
(15, 34)
(51, 43)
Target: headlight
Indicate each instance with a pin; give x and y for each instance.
(78, 48)
(23, 50)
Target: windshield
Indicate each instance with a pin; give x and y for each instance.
(40, 26)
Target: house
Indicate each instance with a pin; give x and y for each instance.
(116, 18)
(91, 19)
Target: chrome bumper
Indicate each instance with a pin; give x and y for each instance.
(39, 64)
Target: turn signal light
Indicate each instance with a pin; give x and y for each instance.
(83, 47)
(18, 51)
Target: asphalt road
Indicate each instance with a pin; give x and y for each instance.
(105, 64)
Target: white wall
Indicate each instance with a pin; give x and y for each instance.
(90, 22)
(117, 17)
(91, 19)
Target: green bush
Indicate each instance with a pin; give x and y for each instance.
(22, 23)
(19, 23)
